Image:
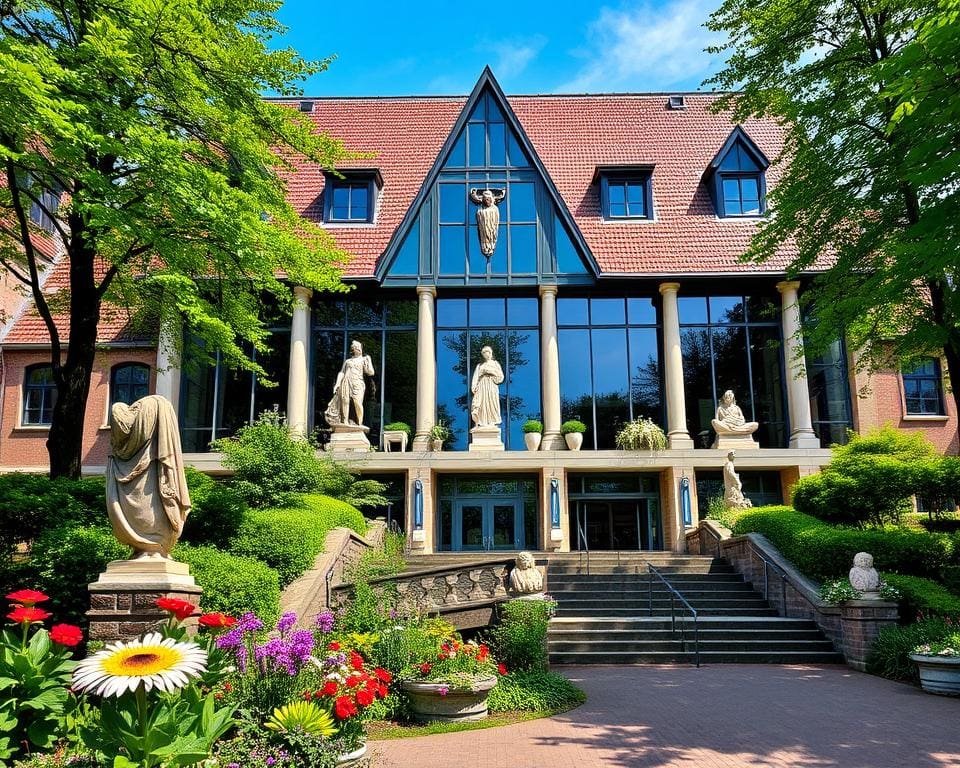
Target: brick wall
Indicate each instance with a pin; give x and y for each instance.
(26, 447)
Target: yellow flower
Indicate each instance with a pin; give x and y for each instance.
(306, 716)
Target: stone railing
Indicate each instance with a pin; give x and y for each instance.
(851, 626)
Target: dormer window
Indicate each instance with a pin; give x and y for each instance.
(625, 193)
(737, 178)
(351, 197)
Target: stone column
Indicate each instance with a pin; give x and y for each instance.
(299, 386)
(798, 391)
(426, 367)
(168, 362)
(550, 370)
(677, 435)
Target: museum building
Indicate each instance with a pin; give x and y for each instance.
(592, 243)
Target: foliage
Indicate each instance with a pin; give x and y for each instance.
(717, 510)
(369, 610)
(838, 591)
(306, 716)
(216, 513)
(232, 584)
(331, 513)
(387, 560)
(59, 759)
(947, 646)
(867, 99)
(890, 654)
(871, 479)
(441, 432)
(919, 595)
(824, 552)
(641, 435)
(571, 426)
(532, 425)
(456, 664)
(535, 691)
(253, 749)
(69, 557)
(519, 639)
(398, 426)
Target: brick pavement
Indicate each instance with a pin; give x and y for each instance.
(721, 716)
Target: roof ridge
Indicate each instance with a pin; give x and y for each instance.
(460, 97)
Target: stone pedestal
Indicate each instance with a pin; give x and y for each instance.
(736, 443)
(349, 437)
(122, 600)
(486, 439)
(861, 622)
(394, 439)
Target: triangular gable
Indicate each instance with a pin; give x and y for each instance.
(738, 135)
(406, 240)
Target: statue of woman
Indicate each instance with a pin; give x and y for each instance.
(487, 376)
(733, 497)
(488, 217)
(730, 420)
(350, 387)
(147, 496)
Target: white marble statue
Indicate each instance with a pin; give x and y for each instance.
(733, 497)
(863, 576)
(485, 388)
(350, 388)
(729, 419)
(488, 217)
(525, 578)
(147, 496)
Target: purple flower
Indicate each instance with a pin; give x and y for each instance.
(392, 613)
(230, 639)
(270, 761)
(325, 621)
(443, 690)
(233, 765)
(249, 623)
(286, 622)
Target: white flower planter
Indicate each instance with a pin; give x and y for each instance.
(532, 440)
(939, 674)
(352, 757)
(574, 440)
(427, 704)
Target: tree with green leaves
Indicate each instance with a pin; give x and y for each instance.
(145, 118)
(869, 98)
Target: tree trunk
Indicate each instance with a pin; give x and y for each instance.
(941, 299)
(951, 351)
(65, 441)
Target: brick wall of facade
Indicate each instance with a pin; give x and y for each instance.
(26, 447)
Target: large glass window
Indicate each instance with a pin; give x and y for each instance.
(923, 388)
(39, 396)
(129, 382)
(762, 487)
(483, 513)
(733, 342)
(830, 395)
(349, 200)
(609, 364)
(387, 331)
(510, 328)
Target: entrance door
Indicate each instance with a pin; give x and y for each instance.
(487, 525)
(618, 524)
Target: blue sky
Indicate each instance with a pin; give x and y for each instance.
(429, 47)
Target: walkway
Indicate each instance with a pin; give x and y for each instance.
(722, 715)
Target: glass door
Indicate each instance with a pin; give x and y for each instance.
(503, 525)
(487, 525)
(470, 515)
(625, 524)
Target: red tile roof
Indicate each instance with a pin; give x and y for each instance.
(572, 135)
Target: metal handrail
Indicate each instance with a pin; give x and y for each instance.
(674, 596)
(784, 578)
(585, 546)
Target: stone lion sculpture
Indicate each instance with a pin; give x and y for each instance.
(863, 576)
(525, 578)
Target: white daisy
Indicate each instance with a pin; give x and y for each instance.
(157, 663)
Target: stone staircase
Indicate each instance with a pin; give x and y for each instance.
(603, 616)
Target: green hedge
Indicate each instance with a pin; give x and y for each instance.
(217, 512)
(825, 552)
(922, 596)
(335, 513)
(890, 654)
(534, 692)
(233, 584)
(66, 559)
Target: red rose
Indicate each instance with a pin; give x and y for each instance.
(330, 689)
(216, 620)
(425, 668)
(382, 691)
(383, 674)
(502, 669)
(344, 707)
(27, 615)
(353, 681)
(356, 660)
(334, 646)
(66, 634)
(27, 597)
(364, 697)
(179, 608)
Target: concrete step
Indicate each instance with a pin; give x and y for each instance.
(711, 657)
(733, 635)
(638, 612)
(724, 590)
(614, 601)
(643, 623)
(674, 643)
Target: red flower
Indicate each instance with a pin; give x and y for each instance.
(383, 674)
(344, 707)
(307, 695)
(382, 691)
(27, 597)
(502, 669)
(330, 689)
(179, 608)
(216, 620)
(353, 681)
(364, 697)
(27, 615)
(425, 668)
(334, 646)
(66, 634)
(482, 653)
(356, 660)
(227, 687)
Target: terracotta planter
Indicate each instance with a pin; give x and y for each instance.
(574, 440)
(532, 440)
(457, 706)
(939, 674)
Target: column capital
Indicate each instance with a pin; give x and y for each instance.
(548, 289)
(426, 290)
(666, 288)
(302, 293)
(788, 286)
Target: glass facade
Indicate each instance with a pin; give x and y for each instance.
(510, 326)
(482, 513)
(761, 487)
(609, 364)
(829, 386)
(733, 342)
(615, 511)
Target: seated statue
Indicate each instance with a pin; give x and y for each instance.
(729, 420)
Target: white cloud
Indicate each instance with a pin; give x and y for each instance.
(647, 48)
(513, 56)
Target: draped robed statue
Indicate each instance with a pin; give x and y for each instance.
(485, 388)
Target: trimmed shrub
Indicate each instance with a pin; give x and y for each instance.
(334, 513)
(825, 552)
(534, 692)
(69, 557)
(519, 639)
(217, 512)
(232, 584)
(285, 539)
(890, 655)
(922, 596)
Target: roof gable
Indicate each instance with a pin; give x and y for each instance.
(738, 136)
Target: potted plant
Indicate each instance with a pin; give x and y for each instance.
(396, 432)
(439, 434)
(641, 435)
(572, 432)
(452, 684)
(939, 665)
(532, 434)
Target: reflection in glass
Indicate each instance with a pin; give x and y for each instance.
(610, 384)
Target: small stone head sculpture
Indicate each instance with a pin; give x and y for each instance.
(863, 560)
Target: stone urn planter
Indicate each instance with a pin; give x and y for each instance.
(574, 440)
(939, 674)
(428, 704)
(436, 445)
(532, 440)
(353, 758)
